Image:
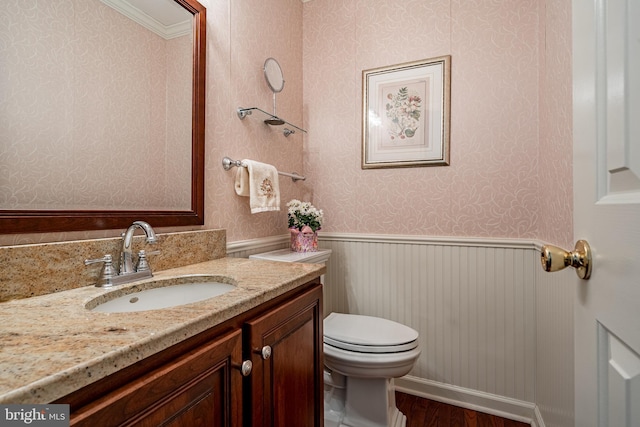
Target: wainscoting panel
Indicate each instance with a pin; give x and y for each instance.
(472, 302)
(496, 331)
(554, 346)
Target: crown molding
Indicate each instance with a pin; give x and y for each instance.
(167, 32)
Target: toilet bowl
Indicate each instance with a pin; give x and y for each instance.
(369, 352)
(362, 356)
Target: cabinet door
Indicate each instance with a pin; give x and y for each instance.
(286, 385)
(200, 388)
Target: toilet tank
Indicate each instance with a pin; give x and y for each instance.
(320, 256)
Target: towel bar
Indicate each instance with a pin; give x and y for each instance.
(228, 163)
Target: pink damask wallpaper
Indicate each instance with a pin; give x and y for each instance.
(502, 120)
(555, 176)
(510, 115)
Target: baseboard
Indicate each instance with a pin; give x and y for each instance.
(488, 403)
(539, 422)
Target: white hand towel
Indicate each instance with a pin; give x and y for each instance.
(259, 181)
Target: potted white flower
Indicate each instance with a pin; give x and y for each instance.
(304, 222)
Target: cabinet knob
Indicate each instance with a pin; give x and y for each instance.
(246, 367)
(265, 352)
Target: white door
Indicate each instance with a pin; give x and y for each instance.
(606, 138)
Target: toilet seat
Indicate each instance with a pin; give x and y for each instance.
(366, 334)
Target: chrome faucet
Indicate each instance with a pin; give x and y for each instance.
(126, 260)
(127, 273)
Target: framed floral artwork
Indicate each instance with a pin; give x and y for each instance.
(405, 114)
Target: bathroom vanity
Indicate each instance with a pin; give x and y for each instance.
(251, 357)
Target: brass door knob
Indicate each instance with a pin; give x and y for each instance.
(554, 258)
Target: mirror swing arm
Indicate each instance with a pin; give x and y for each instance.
(48, 221)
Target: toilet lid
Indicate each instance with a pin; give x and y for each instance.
(368, 334)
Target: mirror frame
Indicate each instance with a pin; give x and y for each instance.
(46, 221)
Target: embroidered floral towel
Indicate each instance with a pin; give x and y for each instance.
(258, 181)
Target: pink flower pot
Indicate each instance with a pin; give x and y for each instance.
(304, 240)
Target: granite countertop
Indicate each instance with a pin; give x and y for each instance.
(51, 345)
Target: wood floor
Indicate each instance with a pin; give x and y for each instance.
(422, 412)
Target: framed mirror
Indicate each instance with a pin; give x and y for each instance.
(103, 119)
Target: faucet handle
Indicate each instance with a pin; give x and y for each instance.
(106, 259)
(107, 273)
(143, 264)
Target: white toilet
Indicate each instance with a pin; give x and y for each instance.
(362, 355)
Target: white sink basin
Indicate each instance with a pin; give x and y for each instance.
(160, 294)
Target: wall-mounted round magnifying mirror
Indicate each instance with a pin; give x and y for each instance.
(273, 74)
(275, 80)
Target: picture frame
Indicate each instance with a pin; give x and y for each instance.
(406, 114)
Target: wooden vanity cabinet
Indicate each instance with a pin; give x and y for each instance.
(199, 382)
(198, 389)
(286, 385)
